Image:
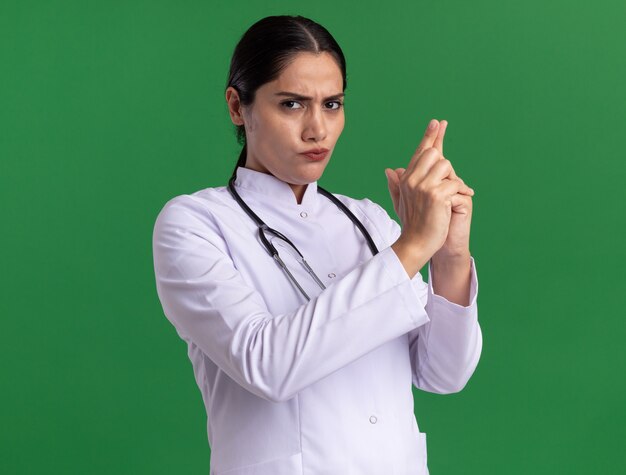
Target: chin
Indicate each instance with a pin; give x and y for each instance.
(313, 172)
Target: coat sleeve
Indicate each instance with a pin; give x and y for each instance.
(444, 351)
(272, 356)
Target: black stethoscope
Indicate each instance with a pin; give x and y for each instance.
(263, 228)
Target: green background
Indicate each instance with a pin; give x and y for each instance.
(109, 109)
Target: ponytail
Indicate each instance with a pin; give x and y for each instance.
(242, 159)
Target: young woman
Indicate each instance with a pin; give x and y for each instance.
(306, 318)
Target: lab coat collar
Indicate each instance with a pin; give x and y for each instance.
(273, 189)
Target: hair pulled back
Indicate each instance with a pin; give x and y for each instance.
(266, 48)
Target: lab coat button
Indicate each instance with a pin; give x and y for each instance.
(332, 275)
(373, 419)
(303, 214)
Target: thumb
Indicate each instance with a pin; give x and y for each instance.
(392, 183)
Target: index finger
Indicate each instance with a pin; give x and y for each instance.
(441, 132)
(427, 142)
(429, 137)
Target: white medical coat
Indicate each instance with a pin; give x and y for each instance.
(296, 387)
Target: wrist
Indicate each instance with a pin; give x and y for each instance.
(452, 257)
(412, 256)
(453, 263)
(451, 277)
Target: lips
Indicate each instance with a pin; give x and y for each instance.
(316, 154)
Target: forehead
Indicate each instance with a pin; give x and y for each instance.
(310, 74)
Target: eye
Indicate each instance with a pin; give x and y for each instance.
(338, 103)
(285, 104)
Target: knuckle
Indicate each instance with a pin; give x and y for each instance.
(437, 194)
(424, 190)
(425, 153)
(409, 181)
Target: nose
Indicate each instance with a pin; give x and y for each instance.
(314, 125)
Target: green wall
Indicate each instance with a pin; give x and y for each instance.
(108, 109)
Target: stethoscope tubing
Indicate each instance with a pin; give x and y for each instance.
(263, 228)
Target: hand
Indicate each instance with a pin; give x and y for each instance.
(433, 203)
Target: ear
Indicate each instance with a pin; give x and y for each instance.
(234, 106)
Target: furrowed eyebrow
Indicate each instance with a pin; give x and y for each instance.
(305, 98)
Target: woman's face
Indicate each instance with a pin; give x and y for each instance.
(300, 111)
